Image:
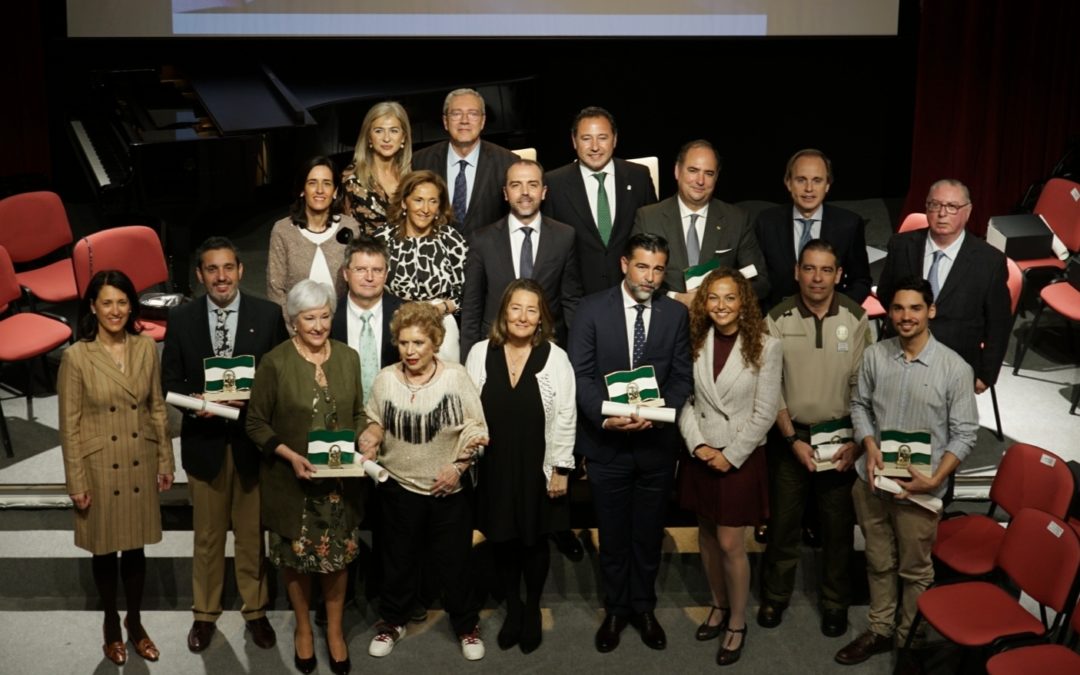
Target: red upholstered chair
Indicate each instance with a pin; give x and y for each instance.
(136, 251)
(1062, 298)
(24, 336)
(1061, 211)
(1040, 554)
(1015, 282)
(1045, 659)
(875, 311)
(1027, 477)
(33, 225)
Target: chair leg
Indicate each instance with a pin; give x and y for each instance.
(912, 630)
(1075, 400)
(997, 413)
(30, 390)
(8, 449)
(1022, 345)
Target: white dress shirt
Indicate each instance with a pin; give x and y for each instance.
(629, 303)
(517, 240)
(354, 324)
(452, 169)
(946, 262)
(684, 216)
(591, 187)
(796, 229)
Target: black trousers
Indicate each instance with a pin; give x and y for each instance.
(415, 528)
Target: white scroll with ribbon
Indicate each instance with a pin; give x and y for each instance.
(202, 405)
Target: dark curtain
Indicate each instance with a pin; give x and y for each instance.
(997, 98)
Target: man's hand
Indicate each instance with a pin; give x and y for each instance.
(804, 453)
(845, 457)
(919, 483)
(980, 386)
(874, 460)
(632, 423)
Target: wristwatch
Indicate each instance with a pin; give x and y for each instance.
(791, 439)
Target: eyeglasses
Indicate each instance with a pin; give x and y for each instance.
(951, 208)
(458, 114)
(364, 271)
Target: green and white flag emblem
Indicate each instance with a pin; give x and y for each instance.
(634, 387)
(696, 274)
(903, 449)
(332, 448)
(228, 377)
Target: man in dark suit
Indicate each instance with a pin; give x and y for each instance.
(222, 464)
(699, 228)
(782, 231)
(968, 277)
(473, 169)
(631, 460)
(598, 195)
(522, 245)
(365, 274)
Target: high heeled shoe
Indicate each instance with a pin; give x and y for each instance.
(144, 646)
(726, 657)
(338, 667)
(305, 665)
(706, 631)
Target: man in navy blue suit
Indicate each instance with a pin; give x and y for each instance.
(631, 461)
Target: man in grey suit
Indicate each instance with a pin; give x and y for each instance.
(700, 228)
(598, 195)
(521, 245)
(473, 169)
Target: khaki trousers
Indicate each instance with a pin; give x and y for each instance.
(228, 500)
(899, 537)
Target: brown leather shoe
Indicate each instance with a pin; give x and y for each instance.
(198, 638)
(863, 647)
(144, 646)
(262, 633)
(115, 651)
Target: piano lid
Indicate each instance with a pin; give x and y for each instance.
(247, 100)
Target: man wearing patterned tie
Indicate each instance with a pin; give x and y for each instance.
(968, 277)
(222, 464)
(782, 231)
(701, 229)
(598, 195)
(473, 169)
(522, 245)
(631, 460)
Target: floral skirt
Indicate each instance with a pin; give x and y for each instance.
(324, 544)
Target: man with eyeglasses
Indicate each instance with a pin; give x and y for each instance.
(968, 278)
(783, 230)
(473, 169)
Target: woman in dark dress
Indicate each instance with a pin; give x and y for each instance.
(737, 369)
(527, 388)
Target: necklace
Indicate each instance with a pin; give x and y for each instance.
(123, 352)
(413, 388)
(516, 363)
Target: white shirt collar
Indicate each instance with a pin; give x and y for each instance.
(587, 173)
(357, 310)
(950, 251)
(514, 224)
(796, 214)
(685, 210)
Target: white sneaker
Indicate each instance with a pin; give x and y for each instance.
(472, 647)
(386, 636)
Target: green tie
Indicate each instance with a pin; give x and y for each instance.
(369, 355)
(603, 209)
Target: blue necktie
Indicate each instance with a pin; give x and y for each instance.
(525, 265)
(639, 336)
(932, 275)
(805, 236)
(461, 193)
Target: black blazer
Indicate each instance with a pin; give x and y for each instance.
(339, 326)
(974, 313)
(840, 227)
(489, 268)
(486, 204)
(259, 328)
(727, 236)
(598, 346)
(568, 202)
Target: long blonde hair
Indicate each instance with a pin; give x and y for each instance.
(363, 160)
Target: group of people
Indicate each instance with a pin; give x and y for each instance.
(387, 276)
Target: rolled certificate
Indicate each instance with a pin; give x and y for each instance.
(826, 453)
(928, 502)
(613, 409)
(375, 472)
(192, 403)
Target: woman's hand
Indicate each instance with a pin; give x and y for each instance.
(300, 464)
(370, 439)
(477, 443)
(719, 463)
(446, 481)
(81, 500)
(557, 485)
(164, 481)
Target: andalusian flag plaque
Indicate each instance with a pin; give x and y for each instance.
(696, 274)
(902, 450)
(826, 438)
(333, 453)
(634, 387)
(228, 378)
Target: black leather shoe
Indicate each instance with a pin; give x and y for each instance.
(607, 636)
(262, 633)
(198, 638)
(727, 656)
(770, 614)
(569, 545)
(305, 665)
(863, 647)
(705, 631)
(510, 633)
(833, 622)
(532, 630)
(337, 667)
(652, 633)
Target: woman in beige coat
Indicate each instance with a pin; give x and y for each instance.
(117, 450)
